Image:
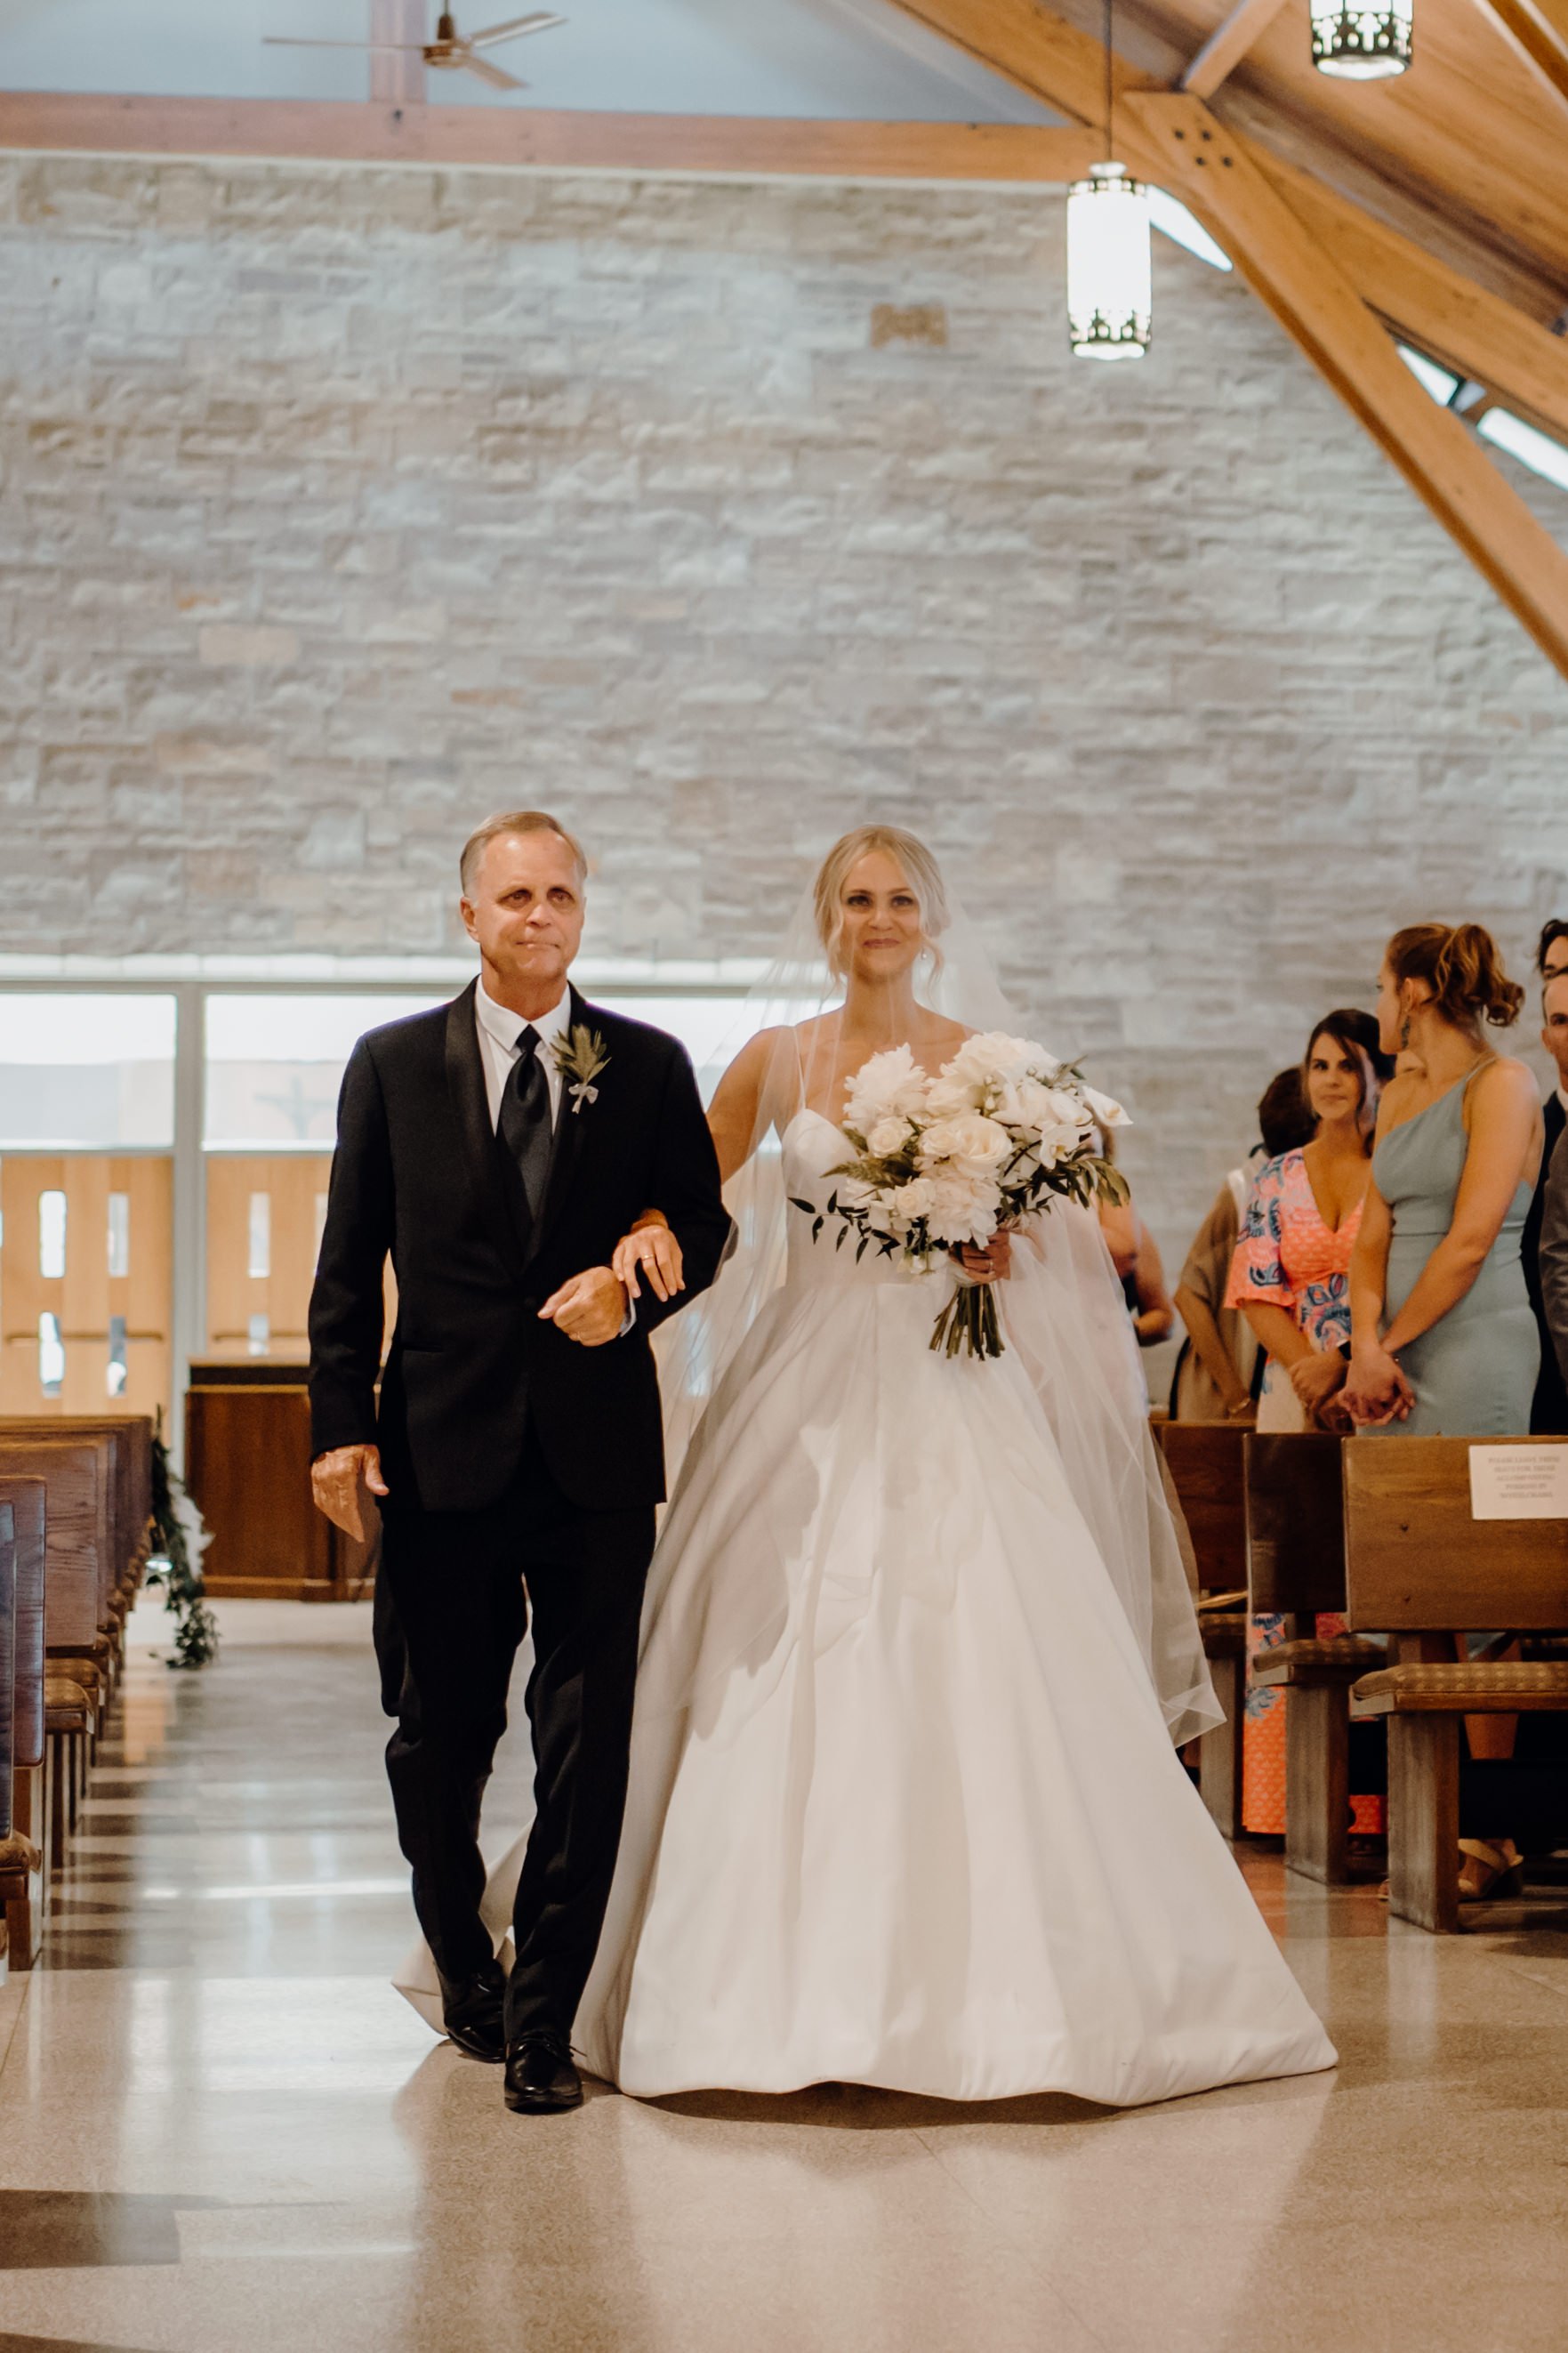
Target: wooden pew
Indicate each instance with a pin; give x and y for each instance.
(76, 1472)
(1296, 1566)
(1421, 1566)
(1206, 1467)
(129, 1438)
(22, 1845)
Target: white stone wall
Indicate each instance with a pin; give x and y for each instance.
(338, 507)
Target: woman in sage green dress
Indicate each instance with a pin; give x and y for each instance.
(1443, 1338)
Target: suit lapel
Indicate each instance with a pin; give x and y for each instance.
(566, 1149)
(470, 1105)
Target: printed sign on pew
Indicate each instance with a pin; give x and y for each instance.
(1519, 1483)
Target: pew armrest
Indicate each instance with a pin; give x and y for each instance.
(1503, 1687)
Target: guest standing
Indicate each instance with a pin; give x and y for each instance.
(1215, 1370)
(1291, 1280)
(1290, 1274)
(1442, 1336)
(1549, 1409)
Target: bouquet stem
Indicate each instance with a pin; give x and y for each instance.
(969, 1324)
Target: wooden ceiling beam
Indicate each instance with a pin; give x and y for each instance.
(1296, 273)
(690, 145)
(1227, 44)
(1536, 31)
(1423, 299)
(397, 73)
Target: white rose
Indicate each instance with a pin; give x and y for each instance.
(912, 1201)
(949, 1097)
(888, 1136)
(978, 1146)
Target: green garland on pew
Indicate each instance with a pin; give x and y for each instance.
(195, 1635)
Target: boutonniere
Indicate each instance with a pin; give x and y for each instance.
(580, 1058)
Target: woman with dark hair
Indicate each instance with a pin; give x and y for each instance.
(1291, 1280)
(1213, 1378)
(1290, 1274)
(1443, 1338)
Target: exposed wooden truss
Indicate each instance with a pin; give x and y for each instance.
(1227, 44)
(397, 74)
(1304, 286)
(1304, 272)
(746, 146)
(1538, 31)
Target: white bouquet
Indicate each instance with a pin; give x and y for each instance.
(971, 1153)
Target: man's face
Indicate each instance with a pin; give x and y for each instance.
(1554, 1023)
(524, 910)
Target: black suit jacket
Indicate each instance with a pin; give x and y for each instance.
(1549, 1412)
(418, 1175)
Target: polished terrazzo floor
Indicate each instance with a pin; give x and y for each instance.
(221, 2131)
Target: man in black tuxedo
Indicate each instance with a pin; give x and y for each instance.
(517, 1446)
(1549, 1408)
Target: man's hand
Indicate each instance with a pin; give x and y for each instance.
(589, 1309)
(335, 1484)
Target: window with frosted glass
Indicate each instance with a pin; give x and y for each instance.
(88, 1073)
(274, 1065)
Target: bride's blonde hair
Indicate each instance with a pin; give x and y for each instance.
(920, 869)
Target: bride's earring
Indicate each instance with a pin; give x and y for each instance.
(1405, 1033)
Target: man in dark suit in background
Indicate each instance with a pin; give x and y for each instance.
(497, 1149)
(1549, 1411)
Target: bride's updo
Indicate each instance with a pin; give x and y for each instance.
(920, 869)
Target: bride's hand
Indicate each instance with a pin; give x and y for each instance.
(652, 1249)
(991, 1263)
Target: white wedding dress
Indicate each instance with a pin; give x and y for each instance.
(904, 1808)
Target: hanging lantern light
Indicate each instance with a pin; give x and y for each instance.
(1362, 43)
(1109, 272)
(1109, 280)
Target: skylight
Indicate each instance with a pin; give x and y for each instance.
(1440, 382)
(1176, 222)
(1537, 450)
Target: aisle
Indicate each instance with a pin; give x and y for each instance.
(221, 2132)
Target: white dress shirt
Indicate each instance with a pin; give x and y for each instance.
(499, 1028)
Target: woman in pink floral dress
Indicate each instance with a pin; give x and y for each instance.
(1290, 1279)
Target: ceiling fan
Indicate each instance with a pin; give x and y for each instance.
(450, 50)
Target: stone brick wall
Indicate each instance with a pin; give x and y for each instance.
(338, 507)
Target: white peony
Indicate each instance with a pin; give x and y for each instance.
(964, 1210)
(889, 1086)
(886, 1137)
(993, 1059)
(976, 1145)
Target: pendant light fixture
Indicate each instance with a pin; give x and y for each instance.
(1362, 43)
(1109, 279)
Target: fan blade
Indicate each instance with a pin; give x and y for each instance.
(514, 28)
(289, 41)
(492, 74)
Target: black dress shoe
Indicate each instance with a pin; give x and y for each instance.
(471, 2013)
(539, 2076)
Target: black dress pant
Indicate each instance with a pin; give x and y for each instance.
(451, 1606)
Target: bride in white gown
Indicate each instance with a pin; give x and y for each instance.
(905, 1809)
(904, 1805)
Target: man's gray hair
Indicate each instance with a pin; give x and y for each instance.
(515, 822)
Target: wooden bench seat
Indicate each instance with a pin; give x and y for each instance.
(1420, 1564)
(1205, 1466)
(23, 1809)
